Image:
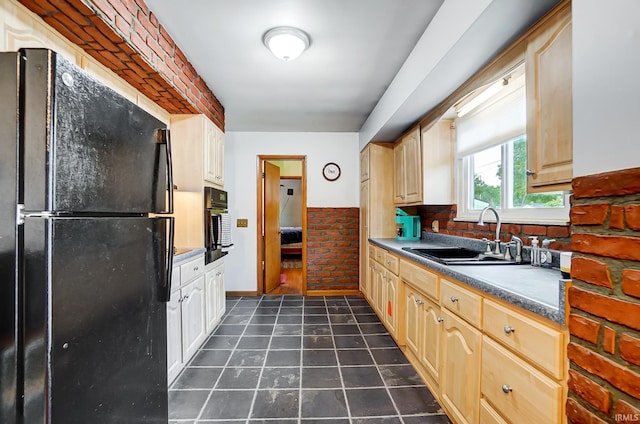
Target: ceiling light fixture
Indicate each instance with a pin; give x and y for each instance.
(286, 43)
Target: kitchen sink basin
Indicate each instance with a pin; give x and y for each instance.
(459, 256)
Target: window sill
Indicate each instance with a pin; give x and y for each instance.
(507, 220)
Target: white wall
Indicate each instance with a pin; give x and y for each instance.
(241, 152)
(606, 86)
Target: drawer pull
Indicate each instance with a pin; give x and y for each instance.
(454, 299)
(506, 388)
(389, 263)
(419, 302)
(440, 319)
(508, 329)
(195, 268)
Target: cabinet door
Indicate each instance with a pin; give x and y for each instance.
(391, 303)
(219, 164)
(549, 104)
(364, 164)
(364, 236)
(430, 340)
(377, 286)
(413, 167)
(174, 336)
(193, 317)
(210, 151)
(399, 191)
(460, 369)
(219, 289)
(413, 322)
(210, 299)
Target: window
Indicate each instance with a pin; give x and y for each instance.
(491, 158)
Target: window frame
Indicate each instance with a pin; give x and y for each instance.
(465, 178)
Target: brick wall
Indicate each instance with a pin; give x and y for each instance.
(332, 248)
(446, 213)
(126, 37)
(604, 351)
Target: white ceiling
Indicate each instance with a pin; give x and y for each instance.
(374, 66)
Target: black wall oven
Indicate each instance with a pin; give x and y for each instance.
(216, 225)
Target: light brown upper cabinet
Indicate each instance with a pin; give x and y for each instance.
(549, 104)
(407, 166)
(423, 164)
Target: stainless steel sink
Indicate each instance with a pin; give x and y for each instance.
(459, 256)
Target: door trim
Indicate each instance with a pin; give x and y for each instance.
(260, 160)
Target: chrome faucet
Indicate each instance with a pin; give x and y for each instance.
(518, 243)
(481, 222)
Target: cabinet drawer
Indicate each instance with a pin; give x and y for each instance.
(420, 278)
(391, 262)
(488, 415)
(191, 269)
(531, 339)
(463, 302)
(379, 255)
(518, 391)
(372, 251)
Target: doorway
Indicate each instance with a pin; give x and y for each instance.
(282, 225)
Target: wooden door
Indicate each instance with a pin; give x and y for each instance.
(391, 303)
(399, 190)
(271, 226)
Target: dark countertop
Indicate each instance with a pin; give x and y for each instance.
(538, 290)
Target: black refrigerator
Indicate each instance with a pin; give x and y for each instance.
(85, 258)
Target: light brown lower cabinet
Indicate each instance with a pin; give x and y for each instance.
(518, 391)
(385, 291)
(460, 370)
(487, 362)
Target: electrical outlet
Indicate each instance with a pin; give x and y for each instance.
(242, 222)
(289, 192)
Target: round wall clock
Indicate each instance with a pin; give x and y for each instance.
(331, 171)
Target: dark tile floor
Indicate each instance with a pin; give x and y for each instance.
(294, 359)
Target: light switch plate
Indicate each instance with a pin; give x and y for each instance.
(242, 222)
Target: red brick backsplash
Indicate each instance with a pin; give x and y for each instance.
(604, 351)
(445, 215)
(332, 248)
(126, 37)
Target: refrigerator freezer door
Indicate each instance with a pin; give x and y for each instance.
(86, 148)
(95, 325)
(9, 65)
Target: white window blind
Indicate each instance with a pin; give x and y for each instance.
(496, 122)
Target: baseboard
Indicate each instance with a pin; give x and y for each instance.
(242, 293)
(334, 293)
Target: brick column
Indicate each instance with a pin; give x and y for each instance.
(332, 248)
(604, 351)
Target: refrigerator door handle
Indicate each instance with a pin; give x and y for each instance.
(163, 137)
(165, 296)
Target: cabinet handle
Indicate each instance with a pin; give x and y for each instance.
(419, 302)
(530, 173)
(454, 299)
(195, 268)
(506, 388)
(508, 329)
(440, 319)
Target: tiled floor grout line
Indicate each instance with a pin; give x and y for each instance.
(333, 339)
(376, 333)
(225, 365)
(266, 355)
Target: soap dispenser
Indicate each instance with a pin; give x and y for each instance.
(535, 251)
(545, 254)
